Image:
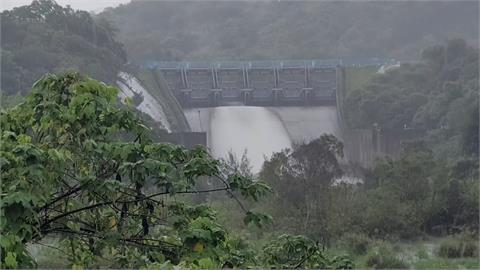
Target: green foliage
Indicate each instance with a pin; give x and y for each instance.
(419, 194)
(288, 251)
(435, 93)
(358, 77)
(302, 178)
(45, 37)
(407, 198)
(77, 164)
(401, 195)
(257, 219)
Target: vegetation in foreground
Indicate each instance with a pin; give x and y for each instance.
(78, 167)
(81, 170)
(83, 180)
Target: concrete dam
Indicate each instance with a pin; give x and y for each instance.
(257, 83)
(265, 106)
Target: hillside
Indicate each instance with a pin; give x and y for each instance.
(46, 37)
(180, 30)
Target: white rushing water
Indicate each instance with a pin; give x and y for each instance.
(129, 85)
(253, 128)
(236, 128)
(260, 130)
(304, 124)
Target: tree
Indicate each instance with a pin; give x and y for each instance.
(400, 195)
(470, 138)
(288, 251)
(433, 94)
(419, 194)
(302, 178)
(46, 37)
(76, 164)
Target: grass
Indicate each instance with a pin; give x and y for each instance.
(422, 255)
(356, 77)
(441, 263)
(416, 255)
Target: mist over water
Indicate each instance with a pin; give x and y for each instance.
(260, 130)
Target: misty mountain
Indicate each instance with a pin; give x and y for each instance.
(200, 30)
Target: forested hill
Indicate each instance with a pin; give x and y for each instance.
(437, 95)
(179, 30)
(46, 37)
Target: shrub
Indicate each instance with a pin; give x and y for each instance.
(458, 246)
(356, 243)
(422, 253)
(449, 248)
(470, 249)
(382, 256)
(297, 251)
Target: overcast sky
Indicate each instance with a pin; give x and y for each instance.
(88, 5)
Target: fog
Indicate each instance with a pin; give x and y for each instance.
(88, 5)
(239, 134)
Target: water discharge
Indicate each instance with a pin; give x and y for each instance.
(236, 128)
(253, 128)
(304, 124)
(260, 130)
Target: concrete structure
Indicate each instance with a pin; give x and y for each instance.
(260, 83)
(266, 84)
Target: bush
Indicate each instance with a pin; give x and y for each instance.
(356, 243)
(422, 253)
(470, 249)
(383, 257)
(297, 251)
(458, 246)
(449, 248)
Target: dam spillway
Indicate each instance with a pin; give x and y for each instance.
(260, 130)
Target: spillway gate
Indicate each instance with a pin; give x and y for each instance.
(259, 83)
